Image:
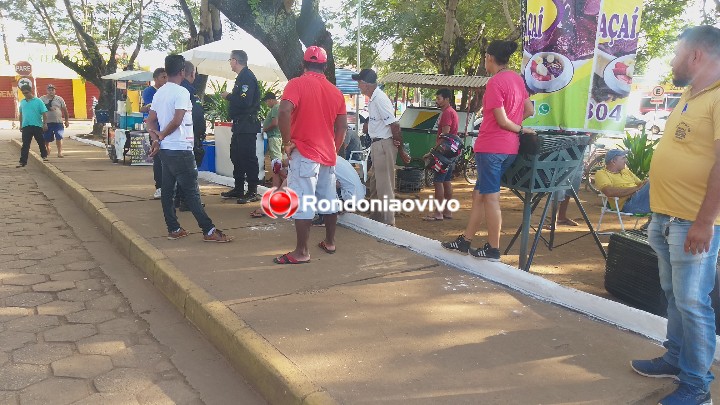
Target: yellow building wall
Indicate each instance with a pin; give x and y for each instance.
(79, 97)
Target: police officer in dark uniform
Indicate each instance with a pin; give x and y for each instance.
(244, 107)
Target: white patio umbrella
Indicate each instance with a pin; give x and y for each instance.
(210, 60)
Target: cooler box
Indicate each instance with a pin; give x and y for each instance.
(128, 121)
(208, 163)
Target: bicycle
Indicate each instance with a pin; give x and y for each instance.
(594, 161)
(465, 165)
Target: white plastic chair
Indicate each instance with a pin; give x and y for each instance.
(607, 208)
(360, 157)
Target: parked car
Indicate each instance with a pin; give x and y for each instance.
(635, 123)
(656, 121)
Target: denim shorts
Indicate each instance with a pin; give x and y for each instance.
(490, 168)
(447, 176)
(54, 132)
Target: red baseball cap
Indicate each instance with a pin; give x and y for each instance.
(315, 54)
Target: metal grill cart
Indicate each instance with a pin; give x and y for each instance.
(534, 177)
(418, 125)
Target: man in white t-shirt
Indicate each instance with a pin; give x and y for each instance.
(171, 130)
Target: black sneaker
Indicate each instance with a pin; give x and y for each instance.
(248, 198)
(487, 252)
(655, 368)
(460, 243)
(20, 165)
(319, 220)
(234, 193)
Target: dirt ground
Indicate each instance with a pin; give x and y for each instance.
(578, 264)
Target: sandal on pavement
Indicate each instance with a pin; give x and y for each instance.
(257, 214)
(430, 219)
(324, 247)
(287, 259)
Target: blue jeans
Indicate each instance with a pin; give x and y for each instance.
(687, 280)
(639, 203)
(179, 166)
(490, 168)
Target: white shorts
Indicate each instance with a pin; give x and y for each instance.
(307, 177)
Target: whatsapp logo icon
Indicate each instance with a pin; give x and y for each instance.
(544, 109)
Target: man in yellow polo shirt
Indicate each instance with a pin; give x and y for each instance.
(616, 180)
(684, 231)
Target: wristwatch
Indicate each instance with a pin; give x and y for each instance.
(520, 132)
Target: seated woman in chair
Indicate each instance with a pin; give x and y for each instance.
(616, 180)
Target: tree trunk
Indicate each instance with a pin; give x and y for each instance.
(276, 26)
(449, 35)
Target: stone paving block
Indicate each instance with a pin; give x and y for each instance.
(8, 398)
(91, 284)
(53, 286)
(124, 380)
(32, 323)
(18, 376)
(103, 344)
(42, 353)
(37, 254)
(29, 299)
(22, 279)
(44, 269)
(10, 290)
(81, 266)
(168, 392)
(78, 295)
(13, 250)
(70, 276)
(109, 398)
(138, 356)
(69, 333)
(110, 302)
(56, 391)
(18, 264)
(14, 340)
(9, 313)
(90, 316)
(60, 308)
(82, 366)
(122, 326)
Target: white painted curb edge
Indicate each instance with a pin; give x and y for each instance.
(614, 313)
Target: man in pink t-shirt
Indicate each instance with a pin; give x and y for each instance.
(313, 122)
(447, 125)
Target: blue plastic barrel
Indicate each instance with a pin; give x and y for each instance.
(208, 163)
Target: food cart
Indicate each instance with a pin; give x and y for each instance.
(128, 137)
(418, 125)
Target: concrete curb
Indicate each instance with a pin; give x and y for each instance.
(277, 378)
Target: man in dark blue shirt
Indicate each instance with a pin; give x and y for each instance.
(244, 107)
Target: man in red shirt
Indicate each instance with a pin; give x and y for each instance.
(447, 125)
(313, 122)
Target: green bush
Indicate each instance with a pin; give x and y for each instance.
(639, 153)
(217, 109)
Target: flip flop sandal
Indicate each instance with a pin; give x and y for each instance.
(285, 259)
(324, 247)
(431, 219)
(447, 217)
(257, 214)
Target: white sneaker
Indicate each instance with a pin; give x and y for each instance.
(158, 194)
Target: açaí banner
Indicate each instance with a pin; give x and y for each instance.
(578, 62)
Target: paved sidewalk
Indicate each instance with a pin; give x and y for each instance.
(66, 333)
(373, 323)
